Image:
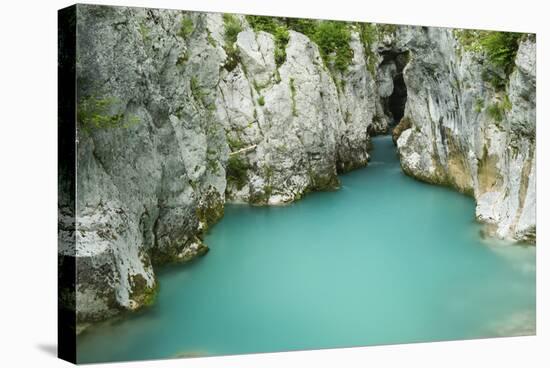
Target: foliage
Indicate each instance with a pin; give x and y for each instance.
(479, 105)
(293, 97)
(468, 39)
(237, 170)
(232, 27)
(261, 101)
(497, 110)
(196, 90)
(494, 79)
(144, 31)
(369, 35)
(506, 103)
(304, 26)
(212, 164)
(98, 112)
(499, 47)
(182, 59)
(186, 28)
(279, 31)
(235, 144)
(211, 40)
(263, 23)
(333, 39)
(259, 86)
(281, 40)
(386, 29)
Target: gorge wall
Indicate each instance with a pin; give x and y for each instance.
(180, 112)
(472, 125)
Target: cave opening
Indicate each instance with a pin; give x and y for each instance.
(394, 104)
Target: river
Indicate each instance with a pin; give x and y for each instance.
(386, 259)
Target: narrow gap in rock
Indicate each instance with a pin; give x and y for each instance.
(394, 105)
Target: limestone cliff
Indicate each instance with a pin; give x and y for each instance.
(472, 125)
(179, 112)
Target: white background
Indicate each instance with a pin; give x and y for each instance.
(29, 194)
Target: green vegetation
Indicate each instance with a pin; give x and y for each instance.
(281, 40)
(369, 35)
(293, 97)
(142, 293)
(497, 110)
(235, 144)
(237, 171)
(211, 40)
(506, 103)
(386, 29)
(232, 27)
(262, 23)
(500, 47)
(468, 39)
(479, 105)
(212, 164)
(333, 40)
(98, 113)
(268, 190)
(258, 87)
(494, 79)
(209, 212)
(144, 31)
(304, 26)
(332, 37)
(186, 28)
(196, 90)
(261, 101)
(182, 59)
(278, 29)
(268, 170)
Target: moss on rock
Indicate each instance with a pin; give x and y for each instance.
(328, 182)
(142, 294)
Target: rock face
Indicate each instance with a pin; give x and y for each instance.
(175, 118)
(150, 154)
(299, 127)
(468, 134)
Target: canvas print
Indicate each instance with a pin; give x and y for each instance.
(233, 184)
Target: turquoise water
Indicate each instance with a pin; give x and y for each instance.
(385, 259)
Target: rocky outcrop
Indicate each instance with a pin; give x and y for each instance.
(150, 154)
(288, 114)
(469, 134)
(180, 112)
(175, 118)
(300, 127)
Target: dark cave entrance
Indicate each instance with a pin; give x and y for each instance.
(394, 105)
(398, 98)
